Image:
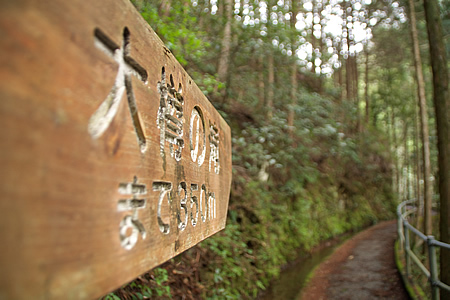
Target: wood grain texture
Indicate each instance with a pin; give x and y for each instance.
(62, 184)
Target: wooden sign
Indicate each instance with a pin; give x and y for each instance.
(112, 159)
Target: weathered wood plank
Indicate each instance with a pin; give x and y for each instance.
(103, 159)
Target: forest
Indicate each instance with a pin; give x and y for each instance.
(339, 110)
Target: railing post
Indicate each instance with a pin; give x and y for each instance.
(433, 268)
(400, 233)
(407, 249)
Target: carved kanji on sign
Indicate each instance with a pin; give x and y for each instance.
(131, 222)
(170, 116)
(214, 146)
(104, 115)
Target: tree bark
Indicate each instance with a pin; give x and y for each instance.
(261, 83)
(270, 64)
(270, 83)
(366, 86)
(396, 158)
(350, 64)
(406, 161)
(442, 109)
(340, 80)
(428, 188)
(417, 150)
(356, 94)
(348, 78)
(293, 100)
(313, 38)
(320, 46)
(348, 73)
(222, 70)
(165, 8)
(291, 113)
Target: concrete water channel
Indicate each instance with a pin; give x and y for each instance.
(295, 275)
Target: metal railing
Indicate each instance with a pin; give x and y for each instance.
(404, 209)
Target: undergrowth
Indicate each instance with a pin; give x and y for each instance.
(293, 186)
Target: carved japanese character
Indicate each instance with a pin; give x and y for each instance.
(164, 189)
(103, 116)
(170, 116)
(131, 227)
(214, 146)
(197, 138)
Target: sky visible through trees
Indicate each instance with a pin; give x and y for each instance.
(326, 20)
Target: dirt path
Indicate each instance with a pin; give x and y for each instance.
(362, 268)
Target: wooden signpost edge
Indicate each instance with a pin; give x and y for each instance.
(58, 230)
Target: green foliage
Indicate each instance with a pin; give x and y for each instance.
(208, 83)
(321, 184)
(152, 285)
(323, 181)
(293, 186)
(111, 296)
(160, 277)
(177, 31)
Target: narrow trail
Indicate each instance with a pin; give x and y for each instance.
(361, 268)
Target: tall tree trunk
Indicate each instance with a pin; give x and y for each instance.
(350, 66)
(291, 111)
(428, 188)
(417, 150)
(241, 8)
(320, 45)
(406, 161)
(224, 58)
(348, 72)
(164, 8)
(261, 84)
(340, 79)
(395, 143)
(314, 41)
(339, 75)
(442, 109)
(221, 8)
(366, 86)
(270, 83)
(392, 148)
(356, 94)
(348, 78)
(270, 64)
